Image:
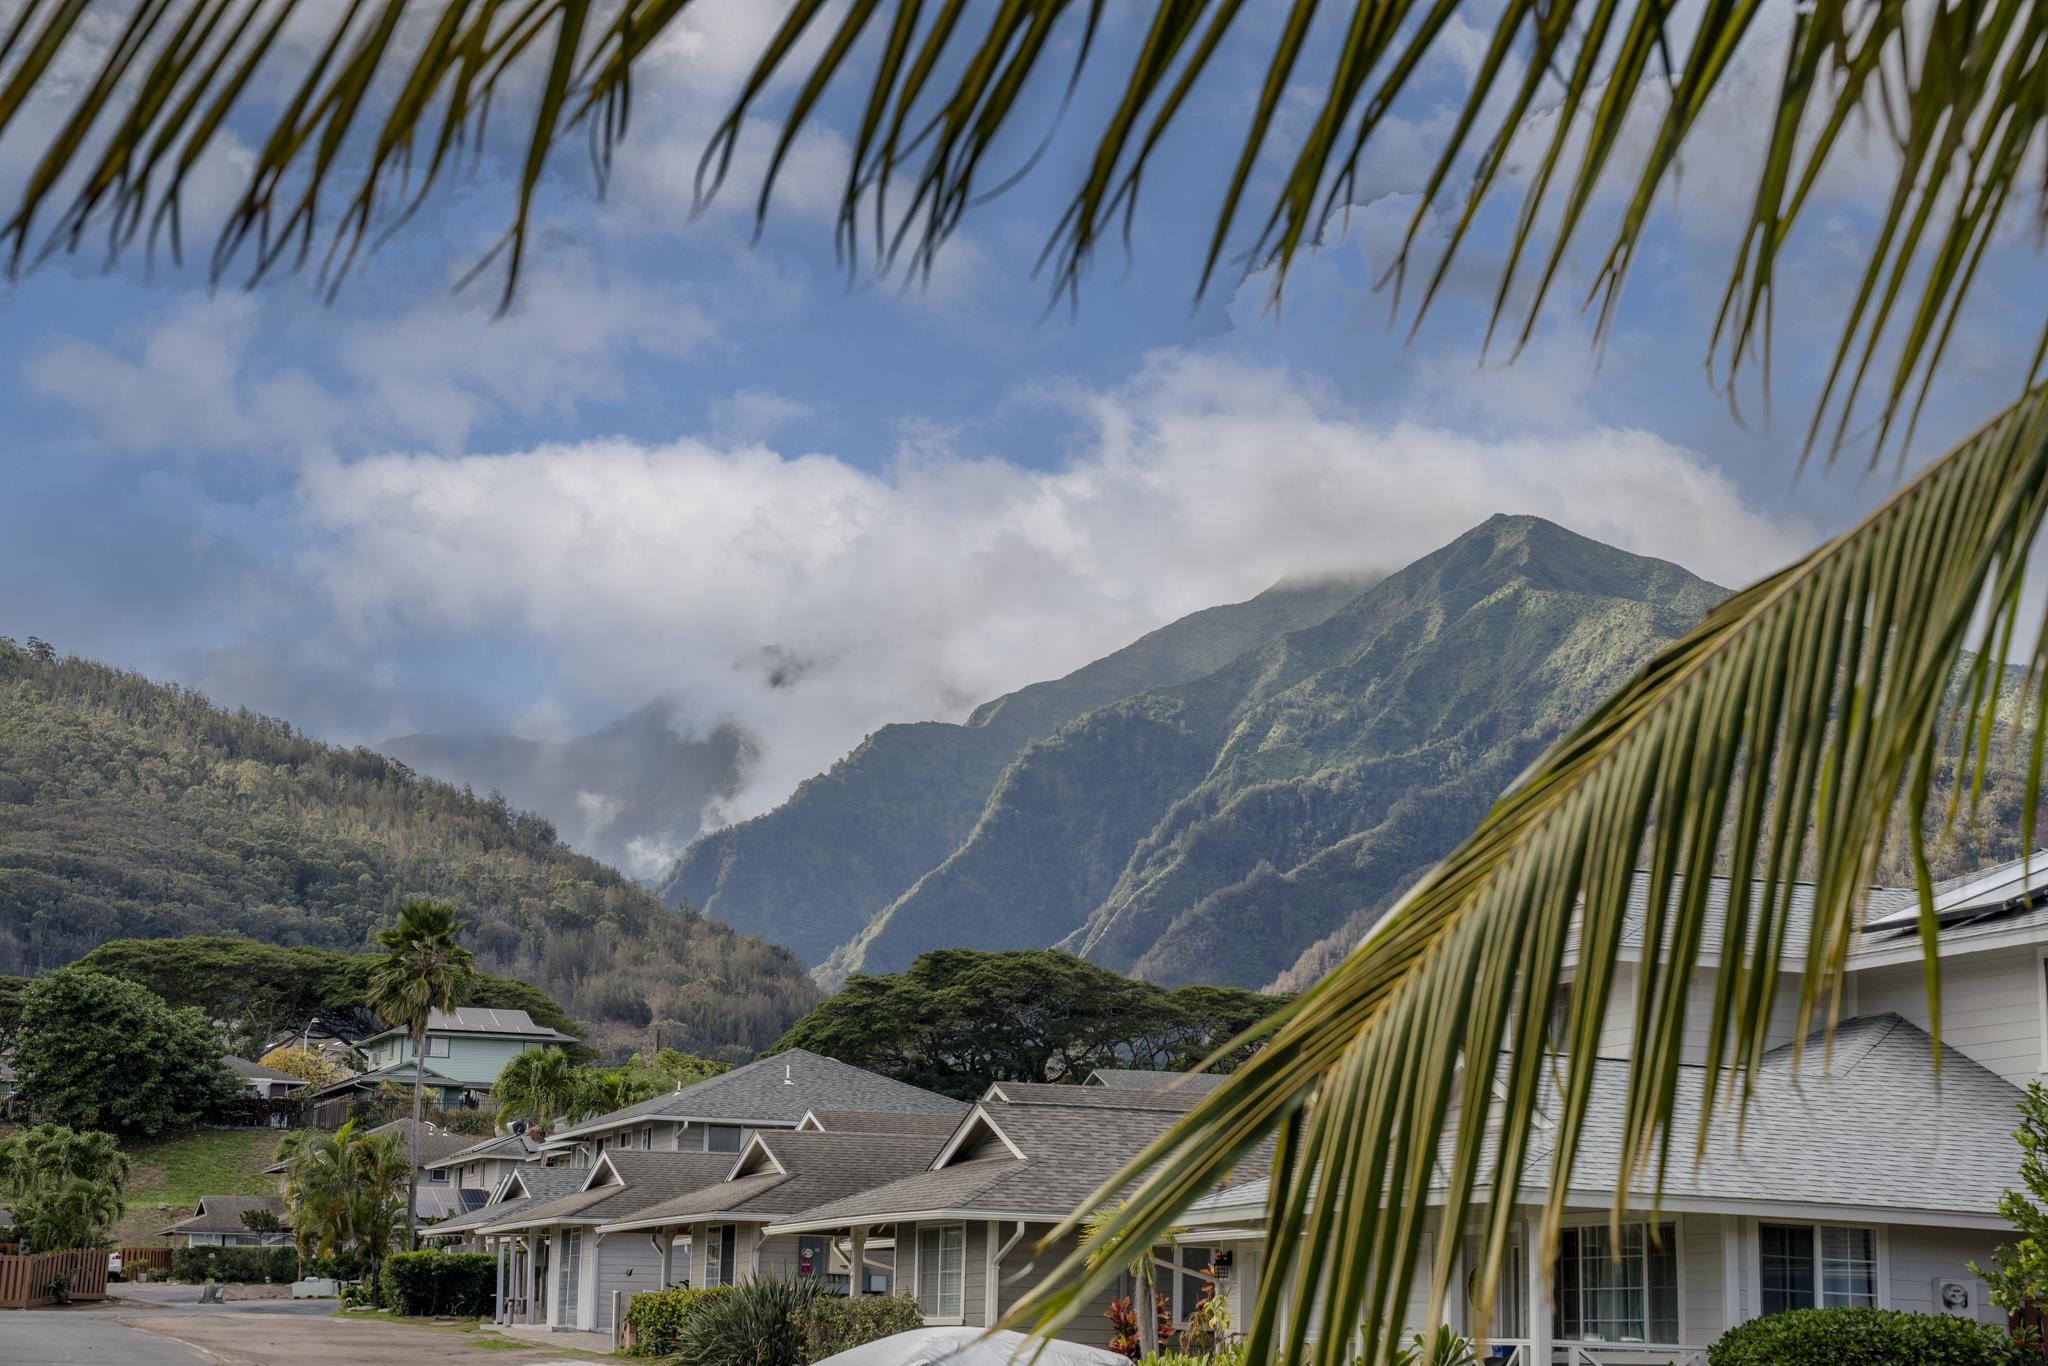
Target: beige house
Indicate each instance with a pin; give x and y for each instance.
(1862, 1177)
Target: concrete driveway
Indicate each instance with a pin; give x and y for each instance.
(242, 1333)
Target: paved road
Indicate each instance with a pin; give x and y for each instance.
(63, 1336)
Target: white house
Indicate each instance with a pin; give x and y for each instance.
(1861, 1177)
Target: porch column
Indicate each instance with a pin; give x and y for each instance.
(859, 1259)
(526, 1295)
(665, 1239)
(1539, 1290)
(1447, 1257)
(498, 1305)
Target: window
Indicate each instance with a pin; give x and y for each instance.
(437, 1047)
(942, 1272)
(722, 1138)
(1804, 1265)
(1617, 1291)
(718, 1254)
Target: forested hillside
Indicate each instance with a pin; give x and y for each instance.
(1244, 824)
(135, 809)
(814, 871)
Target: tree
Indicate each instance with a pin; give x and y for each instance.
(11, 989)
(347, 1191)
(958, 1019)
(539, 1085)
(424, 970)
(1786, 729)
(312, 1067)
(2017, 1280)
(64, 1187)
(100, 1053)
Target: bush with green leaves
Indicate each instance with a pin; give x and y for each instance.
(1865, 1337)
(64, 1187)
(757, 1323)
(657, 1317)
(839, 1323)
(235, 1265)
(97, 1052)
(462, 1284)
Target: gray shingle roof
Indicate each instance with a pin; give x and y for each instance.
(542, 1185)
(776, 1090)
(515, 1146)
(1880, 903)
(435, 1143)
(1871, 1128)
(817, 1168)
(397, 1073)
(1069, 1151)
(1095, 1097)
(1138, 1079)
(885, 1122)
(223, 1213)
(647, 1178)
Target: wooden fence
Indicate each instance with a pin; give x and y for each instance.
(156, 1259)
(26, 1282)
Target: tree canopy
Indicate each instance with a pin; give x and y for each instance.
(958, 1019)
(547, 1087)
(97, 1052)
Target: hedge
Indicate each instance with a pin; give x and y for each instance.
(657, 1317)
(235, 1265)
(835, 1323)
(1864, 1337)
(459, 1284)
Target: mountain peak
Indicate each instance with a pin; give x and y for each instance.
(1520, 546)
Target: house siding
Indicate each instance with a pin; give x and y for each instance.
(1023, 1269)
(1617, 1026)
(1990, 1007)
(627, 1263)
(1702, 1292)
(1917, 1256)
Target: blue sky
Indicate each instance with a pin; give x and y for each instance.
(693, 463)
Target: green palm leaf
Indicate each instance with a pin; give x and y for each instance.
(1794, 719)
(375, 113)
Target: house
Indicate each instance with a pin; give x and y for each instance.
(720, 1113)
(1863, 1174)
(9, 1089)
(558, 1268)
(1135, 1079)
(523, 1187)
(965, 1230)
(481, 1166)
(781, 1174)
(222, 1221)
(442, 1194)
(467, 1049)
(260, 1082)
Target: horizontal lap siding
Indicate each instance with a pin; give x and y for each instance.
(1617, 1026)
(1990, 1007)
(778, 1259)
(627, 1263)
(1023, 1269)
(1918, 1256)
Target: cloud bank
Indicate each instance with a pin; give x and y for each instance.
(812, 601)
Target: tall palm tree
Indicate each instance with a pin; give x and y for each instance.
(346, 1191)
(1789, 726)
(540, 1085)
(424, 970)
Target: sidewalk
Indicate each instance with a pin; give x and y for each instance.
(544, 1337)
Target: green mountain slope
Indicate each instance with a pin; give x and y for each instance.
(1215, 830)
(816, 870)
(131, 809)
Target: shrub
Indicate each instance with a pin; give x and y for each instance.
(657, 1316)
(756, 1323)
(1863, 1337)
(463, 1284)
(235, 1265)
(836, 1323)
(345, 1265)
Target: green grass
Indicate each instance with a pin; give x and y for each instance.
(176, 1170)
(478, 1332)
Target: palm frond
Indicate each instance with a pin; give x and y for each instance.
(1793, 720)
(377, 112)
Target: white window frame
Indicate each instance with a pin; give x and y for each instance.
(939, 1319)
(1880, 1268)
(437, 1045)
(1554, 1306)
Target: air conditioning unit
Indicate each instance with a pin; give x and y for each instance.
(1955, 1295)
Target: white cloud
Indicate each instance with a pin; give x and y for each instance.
(204, 377)
(813, 601)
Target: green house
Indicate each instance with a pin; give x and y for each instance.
(466, 1050)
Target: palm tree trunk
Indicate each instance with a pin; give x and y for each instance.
(412, 1174)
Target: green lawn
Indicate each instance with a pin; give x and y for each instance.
(172, 1173)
